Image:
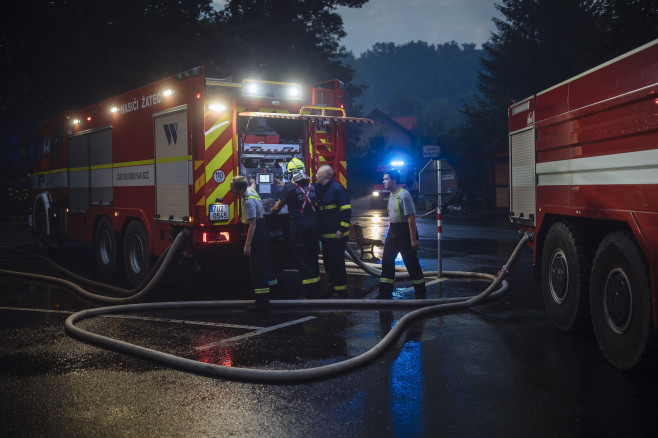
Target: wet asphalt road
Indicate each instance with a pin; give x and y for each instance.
(498, 370)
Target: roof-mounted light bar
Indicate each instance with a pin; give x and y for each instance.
(271, 90)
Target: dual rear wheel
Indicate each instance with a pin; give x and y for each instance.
(133, 251)
(609, 289)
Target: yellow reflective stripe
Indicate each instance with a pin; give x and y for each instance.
(333, 235)
(421, 281)
(340, 287)
(218, 161)
(264, 290)
(252, 194)
(101, 166)
(48, 172)
(133, 163)
(273, 282)
(78, 169)
(217, 128)
(387, 280)
(345, 207)
(311, 280)
(174, 159)
(327, 207)
(199, 183)
(345, 224)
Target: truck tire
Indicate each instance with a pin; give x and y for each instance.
(105, 247)
(565, 271)
(621, 300)
(136, 255)
(41, 230)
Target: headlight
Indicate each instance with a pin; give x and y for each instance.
(375, 193)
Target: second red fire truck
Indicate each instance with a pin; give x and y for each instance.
(127, 174)
(584, 182)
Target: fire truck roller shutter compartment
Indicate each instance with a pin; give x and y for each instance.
(172, 165)
(522, 169)
(100, 161)
(79, 173)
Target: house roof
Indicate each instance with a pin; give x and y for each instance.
(379, 115)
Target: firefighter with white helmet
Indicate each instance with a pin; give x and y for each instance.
(300, 197)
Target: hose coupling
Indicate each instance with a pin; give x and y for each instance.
(503, 271)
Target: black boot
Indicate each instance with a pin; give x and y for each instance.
(312, 291)
(261, 304)
(327, 292)
(420, 292)
(385, 292)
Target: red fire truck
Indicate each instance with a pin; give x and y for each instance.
(127, 174)
(584, 182)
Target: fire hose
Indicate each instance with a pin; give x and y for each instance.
(496, 289)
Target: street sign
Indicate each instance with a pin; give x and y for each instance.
(431, 151)
(429, 183)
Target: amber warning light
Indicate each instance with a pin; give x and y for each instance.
(216, 237)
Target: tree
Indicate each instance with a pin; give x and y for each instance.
(65, 54)
(288, 39)
(418, 70)
(540, 43)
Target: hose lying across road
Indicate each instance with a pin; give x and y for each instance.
(496, 289)
(154, 277)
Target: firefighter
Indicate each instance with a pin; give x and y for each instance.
(334, 212)
(255, 247)
(299, 195)
(402, 238)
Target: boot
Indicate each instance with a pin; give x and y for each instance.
(312, 291)
(420, 291)
(327, 292)
(261, 304)
(385, 292)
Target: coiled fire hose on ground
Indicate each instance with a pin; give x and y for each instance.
(431, 306)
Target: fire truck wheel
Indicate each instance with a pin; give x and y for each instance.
(105, 247)
(566, 260)
(136, 255)
(41, 230)
(621, 300)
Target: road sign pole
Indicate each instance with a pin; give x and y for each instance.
(438, 220)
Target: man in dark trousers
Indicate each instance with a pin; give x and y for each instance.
(334, 212)
(299, 195)
(255, 247)
(402, 238)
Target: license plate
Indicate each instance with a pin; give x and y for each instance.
(218, 212)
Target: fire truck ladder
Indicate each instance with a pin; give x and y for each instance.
(325, 135)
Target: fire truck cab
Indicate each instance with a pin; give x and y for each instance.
(584, 184)
(127, 174)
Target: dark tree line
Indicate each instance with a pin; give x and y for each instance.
(539, 43)
(430, 81)
(65, 54)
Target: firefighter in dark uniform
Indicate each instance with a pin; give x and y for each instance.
(334, 212)
(402, 238)
(255, 247)
(299, 195)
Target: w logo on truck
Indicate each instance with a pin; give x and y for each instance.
(171, 131)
